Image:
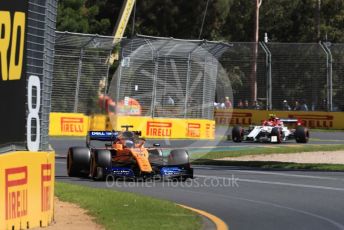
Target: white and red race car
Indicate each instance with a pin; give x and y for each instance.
(272, 130)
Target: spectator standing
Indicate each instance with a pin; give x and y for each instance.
(297, 106)
(323, 105)
(246, 105)
(228, 103)
(222, 105)
(285, 106)
(168, 101)
(240, 104)
(304, 106)
(255, 105)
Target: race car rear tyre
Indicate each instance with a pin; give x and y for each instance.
(178, 157)
(276, 132)
(100, 160)
(155, 156)
(78, 161)
(301, 134)
(237, 134)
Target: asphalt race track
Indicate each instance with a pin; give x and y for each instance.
(244, 199)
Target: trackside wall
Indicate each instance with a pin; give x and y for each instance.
(26, 189)
(318, 120)
(72, 124)
(77, 124)
(171, 128)
(68, 124)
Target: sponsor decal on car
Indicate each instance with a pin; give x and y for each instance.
(72, 124)
(125, 172)
(16, 195)
(314, 120)
(169, 171)
(159, 129)
(103, 133)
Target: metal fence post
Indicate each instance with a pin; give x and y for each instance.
(77, 88)
(204, 82)
(119, 77)
(329, 75)
(187, 84)
(107, 81)
(156, 70)
(268, 76)
(187, 87)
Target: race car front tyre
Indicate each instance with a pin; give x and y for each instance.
(78, 161)
(237, 134)
(276, 132)
(178, 157)
(100, 160)
(301, 134)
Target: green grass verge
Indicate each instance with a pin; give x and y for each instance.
(210, 158)
(272, 149)
(121, 210)
(327, 130)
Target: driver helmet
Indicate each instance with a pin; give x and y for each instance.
(129, 143)
(272, 117)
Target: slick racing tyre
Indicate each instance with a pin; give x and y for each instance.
(178, 157)
(155, 156)
(78, 161)
(100, 160)
(301, 134)
(237, 134)
(277, 133)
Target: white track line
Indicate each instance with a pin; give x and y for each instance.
(304, 212)
(272, 173)
(278, 183)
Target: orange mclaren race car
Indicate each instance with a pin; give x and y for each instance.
(125, 156)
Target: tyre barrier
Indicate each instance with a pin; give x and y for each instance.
(26, 189)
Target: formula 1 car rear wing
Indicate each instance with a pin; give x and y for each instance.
(102, 135)
(106, 135)
(291, 121)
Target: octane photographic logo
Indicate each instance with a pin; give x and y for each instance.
(178, 81)
(201, 181)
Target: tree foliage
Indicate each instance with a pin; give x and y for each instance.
(283, 20)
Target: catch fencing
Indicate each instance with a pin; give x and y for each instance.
(40, 56)
(299, 76)
(176, 78)
(81, 71)
(168, 77)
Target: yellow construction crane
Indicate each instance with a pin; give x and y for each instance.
(121, 24)
(123, 19)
